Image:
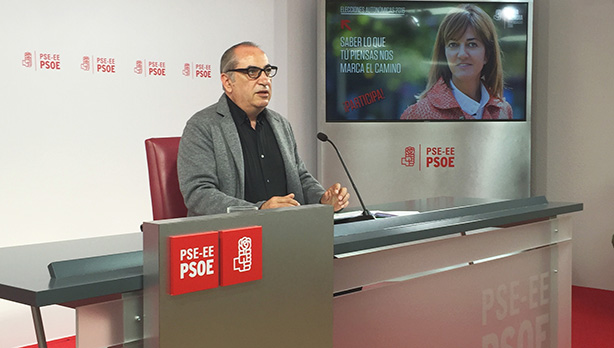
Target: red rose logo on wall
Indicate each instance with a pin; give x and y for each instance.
(103, 64)
(41, 61)
(186, 69)
(197, 70)
(27, 60)
(410, 157)
(150, 68)
(109, 65)
(85, 65)
(138, 68)
(434, 157)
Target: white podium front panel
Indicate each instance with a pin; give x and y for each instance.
(513, 290)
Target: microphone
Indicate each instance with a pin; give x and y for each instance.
(366, 214)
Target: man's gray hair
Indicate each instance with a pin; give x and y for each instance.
(229, 58)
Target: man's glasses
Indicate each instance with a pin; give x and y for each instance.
(254, 72)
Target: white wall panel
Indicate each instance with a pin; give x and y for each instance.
(573, 137)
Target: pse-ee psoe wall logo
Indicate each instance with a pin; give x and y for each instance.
(433, 157)
(207, 260)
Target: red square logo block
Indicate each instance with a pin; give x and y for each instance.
(193, 262)
(241, 251)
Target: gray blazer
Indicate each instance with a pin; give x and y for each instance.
(210, 162)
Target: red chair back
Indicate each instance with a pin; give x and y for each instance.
(166, 199)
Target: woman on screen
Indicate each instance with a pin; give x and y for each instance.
(466, 77)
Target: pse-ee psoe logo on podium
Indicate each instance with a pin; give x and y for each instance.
(207, 260)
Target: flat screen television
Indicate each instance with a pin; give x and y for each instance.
(397, 61)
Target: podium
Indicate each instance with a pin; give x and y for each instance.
(464, 272)
(290, 306)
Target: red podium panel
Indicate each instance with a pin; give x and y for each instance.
(241, 259)
(193, 262)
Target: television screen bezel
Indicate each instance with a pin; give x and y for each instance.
(527, 58)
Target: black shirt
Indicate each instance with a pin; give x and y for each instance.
(265, 174)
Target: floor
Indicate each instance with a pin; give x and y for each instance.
(592, 318)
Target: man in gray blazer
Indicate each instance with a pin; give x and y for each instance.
(237, 152)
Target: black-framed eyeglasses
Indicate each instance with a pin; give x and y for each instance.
(254, 72)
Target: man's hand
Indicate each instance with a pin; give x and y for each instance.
(336, 196)
(280, 202)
